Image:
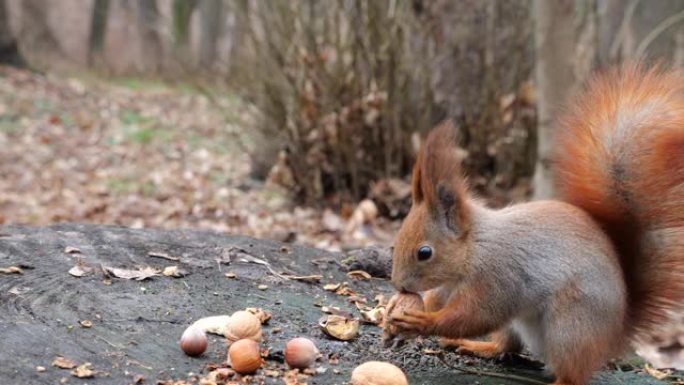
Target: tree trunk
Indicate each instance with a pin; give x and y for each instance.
(555, 45)
(150, 42)
(182, 12)
(98, 27)
(9, 51)
(36, 40)
(211, 12)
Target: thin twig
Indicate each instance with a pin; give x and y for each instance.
(276, 273)
(134, 362)
(110, 343)
(490, 374)
(624, 28)
(667, 23)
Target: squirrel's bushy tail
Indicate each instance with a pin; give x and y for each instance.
(621, 158)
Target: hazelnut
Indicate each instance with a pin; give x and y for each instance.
(243, 325)
(378, 373)
(244, 356)
(193, 341)
(399, 303)
(300, 353)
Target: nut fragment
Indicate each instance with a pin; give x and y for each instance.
(260, 313)
(193, 341)
(339, 327)
(243, 324)
(244, 356)
(300, 353)
(63, 363)
(378, 373)
(215, 324)
(399, 303)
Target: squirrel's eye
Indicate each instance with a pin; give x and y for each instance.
(424, 253)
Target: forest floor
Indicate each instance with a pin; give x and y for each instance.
(144, 154)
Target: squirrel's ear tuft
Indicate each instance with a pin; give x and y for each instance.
(437, 177)
(416, 178)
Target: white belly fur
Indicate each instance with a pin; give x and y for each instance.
(529, 329)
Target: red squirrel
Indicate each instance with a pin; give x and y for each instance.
(575, 280)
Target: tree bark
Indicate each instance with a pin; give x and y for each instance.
(554, 73)
(9, 51)
(182, 12)
(150, 42)
(212, 16)
(35, 39)
(98, 28)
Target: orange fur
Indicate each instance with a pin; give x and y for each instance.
(621, 159)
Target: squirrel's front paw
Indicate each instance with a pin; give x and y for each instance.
(414, 321)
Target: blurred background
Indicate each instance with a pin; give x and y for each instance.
(291, 120)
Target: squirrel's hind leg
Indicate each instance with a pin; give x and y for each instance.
(579, 341)
(504, 341)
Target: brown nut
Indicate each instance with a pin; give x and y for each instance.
(300, 353)
(243, 324)
(245, 357)
(399, 303)
(193, 341)
(378, 373)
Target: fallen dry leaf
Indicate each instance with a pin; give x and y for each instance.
(357, 299)
(219, 375)
(241, 255)
(63, 363)
(83, 371)
(334, 310)
(174, 271)
(81, 270)
(294, 377)
(72, 250)
(345, 291)
(305, 278)
(374, 316)
(332, 286)
(339, 327)
(138, 275)
(11, 270)
(230, 275)
(158, 254)
(657, 374)
(359, 275)
(19, 290)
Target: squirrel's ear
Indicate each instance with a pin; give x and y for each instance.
(416, 182)
(437, 178)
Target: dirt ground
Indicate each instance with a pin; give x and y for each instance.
(136, 324)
